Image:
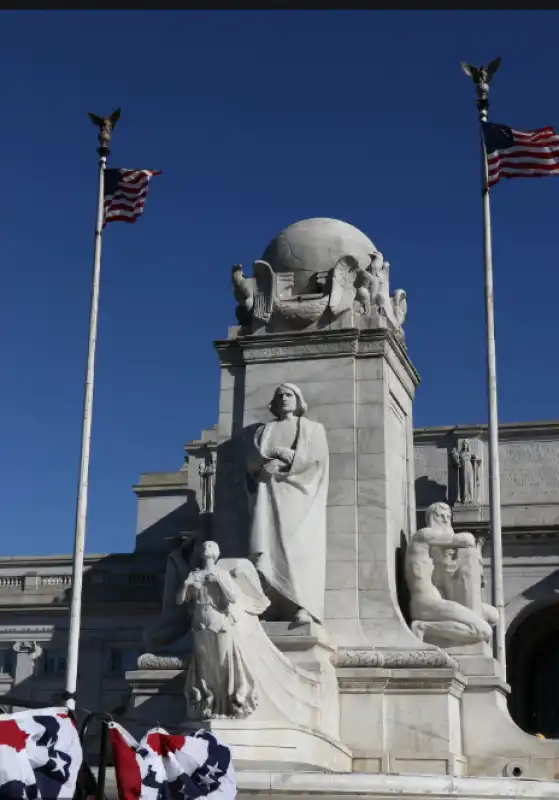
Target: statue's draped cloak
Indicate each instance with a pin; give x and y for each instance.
(288, 525)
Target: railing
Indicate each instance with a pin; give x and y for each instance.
(56, 583)
(12, 582)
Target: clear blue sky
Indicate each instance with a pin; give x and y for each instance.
(257, 119)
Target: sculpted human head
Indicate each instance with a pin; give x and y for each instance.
(466, 445)
(288, 399)
(210, 552)
(438, 515)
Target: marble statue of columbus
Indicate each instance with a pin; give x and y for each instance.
(287, 480)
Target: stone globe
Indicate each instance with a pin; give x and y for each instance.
(315, 245)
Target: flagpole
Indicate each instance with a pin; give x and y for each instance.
(482, 78)
(106, 126)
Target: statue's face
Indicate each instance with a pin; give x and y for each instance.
(443, 516)
(210, 552)
(466, 446)
(285, 401)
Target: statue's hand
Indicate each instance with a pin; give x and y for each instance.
(465, 539)
(272, 467)
(285, 454)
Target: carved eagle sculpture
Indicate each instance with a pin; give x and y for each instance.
(342, 290)
(243, 290)
(265, 294)
(105, 124)
(481, 74)
(399, 306)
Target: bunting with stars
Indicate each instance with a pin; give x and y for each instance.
(163, 766)
(40, 755)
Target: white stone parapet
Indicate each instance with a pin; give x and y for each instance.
(328, 786)
(293, 785)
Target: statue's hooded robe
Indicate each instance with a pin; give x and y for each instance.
(288, 525)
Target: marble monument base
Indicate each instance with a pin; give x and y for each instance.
(271, 745)
(403, 720)
(297, 728)
(493, 743)
(257, 742)
(303, 785)
(297, 786)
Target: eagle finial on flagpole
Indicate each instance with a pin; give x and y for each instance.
(106, 126)
(482, 77)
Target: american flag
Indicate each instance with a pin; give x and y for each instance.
(520, 154)
(40, 755)
(167, 767)
(125, 193)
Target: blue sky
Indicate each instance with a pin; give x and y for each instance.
(257, 119)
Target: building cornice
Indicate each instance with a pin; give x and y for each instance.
(158, 482)
(541, 429)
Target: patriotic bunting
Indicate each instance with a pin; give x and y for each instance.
(40, 755)
(167, 767)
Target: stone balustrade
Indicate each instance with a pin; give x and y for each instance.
(30, 583)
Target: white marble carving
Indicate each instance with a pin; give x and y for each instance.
(467, 473)
(335, 269)
(207, 472)
(32, 649)
(223, 603)
(287, 480)
(233, 661)
(443, 572)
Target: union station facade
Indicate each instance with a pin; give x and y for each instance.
(123, 591)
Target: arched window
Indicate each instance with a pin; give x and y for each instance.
(533, 672)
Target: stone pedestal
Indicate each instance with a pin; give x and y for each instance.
(403, 721)
(493, 743)
(279, 745)
(359, 384)
(303, 733)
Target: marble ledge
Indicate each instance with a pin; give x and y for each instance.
(162, 482)
(401, 680)
(315, 344)
(289, 636)
(331, 786)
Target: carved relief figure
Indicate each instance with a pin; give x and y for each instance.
(443, 573)
(467, 473)
(207, 472)
(33, 650)
(287, 479)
